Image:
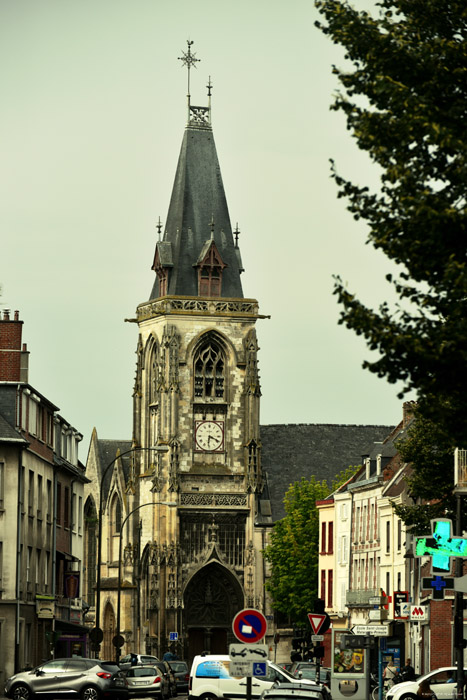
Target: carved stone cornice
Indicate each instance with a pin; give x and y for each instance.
(221, 500)
(196, 305)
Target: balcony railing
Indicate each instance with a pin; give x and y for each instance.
(361, 598)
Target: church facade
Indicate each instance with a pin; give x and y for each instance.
(176, 518)
(184, 495)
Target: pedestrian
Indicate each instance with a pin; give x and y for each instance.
(424, 691)
(390, 674)
(408, 671)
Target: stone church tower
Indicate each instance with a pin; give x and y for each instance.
(191, 550)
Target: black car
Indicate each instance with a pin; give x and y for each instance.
(88, 679)
(182, 675)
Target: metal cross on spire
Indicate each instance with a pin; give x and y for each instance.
(159, 227)
(236, 234)
(189, 59)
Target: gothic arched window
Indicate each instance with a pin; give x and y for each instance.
(209, 371)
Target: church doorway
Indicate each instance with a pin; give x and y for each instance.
(212, 599)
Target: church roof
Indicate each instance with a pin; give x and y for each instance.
(108, 450)
(290, 452)
(198, 210)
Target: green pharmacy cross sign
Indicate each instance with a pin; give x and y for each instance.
(441, 546)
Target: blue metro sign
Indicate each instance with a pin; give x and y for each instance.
(441, 545)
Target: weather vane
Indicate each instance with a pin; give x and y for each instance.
(189, 59)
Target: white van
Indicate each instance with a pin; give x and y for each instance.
(210, 678)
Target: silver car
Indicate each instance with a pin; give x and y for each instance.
(88, 679)
(133, 659)
(147, 681)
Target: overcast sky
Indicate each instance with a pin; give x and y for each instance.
(92, 119)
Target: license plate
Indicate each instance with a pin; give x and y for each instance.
(118, 681)
(141, 682)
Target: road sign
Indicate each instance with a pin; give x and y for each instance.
(316, 621)
(460, 584)
(317, 637)
(375, 630)
(173, 636)
(248, 652)
(241, 669)
(249, 626)
(259, 668)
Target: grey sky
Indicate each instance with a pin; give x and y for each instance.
(92, 119)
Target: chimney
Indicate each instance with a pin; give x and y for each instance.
(13, 355)
(408, 408)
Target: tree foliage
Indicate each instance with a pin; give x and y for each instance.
(430, 452)
(404, 95)
(293, 547)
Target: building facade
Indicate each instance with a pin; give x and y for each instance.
(41, 529)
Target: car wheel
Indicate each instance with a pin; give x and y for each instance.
(408, 696)
(21, 692)
(208, 696)
(90, 692)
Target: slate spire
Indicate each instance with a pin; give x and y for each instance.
(197, 255)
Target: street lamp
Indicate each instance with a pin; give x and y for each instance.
(98, 630)
(119, 586)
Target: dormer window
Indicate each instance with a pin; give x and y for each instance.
(163, 277)
(210, 267)
(162, 264)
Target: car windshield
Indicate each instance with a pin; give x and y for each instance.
(178, 666)
(139, 671)
(286, 673)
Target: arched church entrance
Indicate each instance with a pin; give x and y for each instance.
(108, 650)
(212, 599)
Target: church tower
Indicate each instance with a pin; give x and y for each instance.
(196, 399)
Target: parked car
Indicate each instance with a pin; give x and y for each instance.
(442, 681)
(169, 677)
(210, 676)
(146, 681)
(88, 679)
(133, 659)
(297, 691)
(182, 675)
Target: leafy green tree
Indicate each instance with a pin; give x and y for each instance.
(293, 548)
(404, 95)
(430, 452)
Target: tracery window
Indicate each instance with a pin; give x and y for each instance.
(209, 371)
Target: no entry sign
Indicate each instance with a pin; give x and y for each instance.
(249, 626)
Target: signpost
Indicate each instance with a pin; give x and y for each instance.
(249, 626)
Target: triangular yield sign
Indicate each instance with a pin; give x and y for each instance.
(316, 621)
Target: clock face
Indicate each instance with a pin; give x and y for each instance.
(209, 435)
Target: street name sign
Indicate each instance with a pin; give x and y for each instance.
(317, 637)
(374, 630)
(248, 652)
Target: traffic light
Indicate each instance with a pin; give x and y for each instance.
(318, 651)
(319, 606)
(297, 642)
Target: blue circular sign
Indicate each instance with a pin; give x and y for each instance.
(249, 626)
